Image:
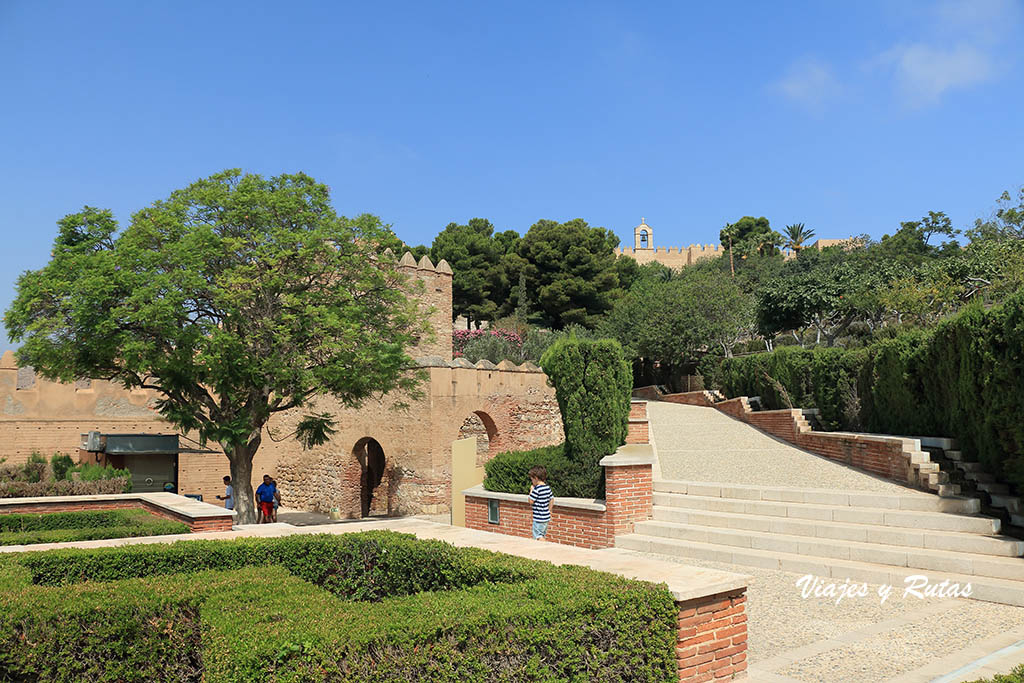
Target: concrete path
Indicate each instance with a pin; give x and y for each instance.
(703, 444)
(904, 640)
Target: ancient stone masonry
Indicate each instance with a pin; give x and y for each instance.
(401, 454)
(644, 251)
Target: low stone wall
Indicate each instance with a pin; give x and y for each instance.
(199, 519)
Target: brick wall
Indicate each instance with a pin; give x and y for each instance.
(712, 637)
(628, 499)
(629, 496)
(569, 526)
(639, 431)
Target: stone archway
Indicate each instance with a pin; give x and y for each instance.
(373, 484)
(481, 425)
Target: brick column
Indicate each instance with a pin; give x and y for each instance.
(712, 640)
(629, 487)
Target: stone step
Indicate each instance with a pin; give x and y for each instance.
(840, 531)
(912, 500)
(954, 455)
(994, 488)
(1004, 591)
(980, 477)
(877, 553)
(972, 467)
(937, 521)
(1011, 504)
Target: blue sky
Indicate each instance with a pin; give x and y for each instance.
(848, 117)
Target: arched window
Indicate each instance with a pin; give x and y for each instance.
(643, 239)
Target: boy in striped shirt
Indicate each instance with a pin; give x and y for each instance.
(540, 498)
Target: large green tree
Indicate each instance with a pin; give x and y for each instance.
(234, 299)
(674, 322)
(570, 271)
(749, 236)
(479, 283)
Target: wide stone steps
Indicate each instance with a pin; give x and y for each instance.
(845, 513)
(1001, 590)
(879, 553)
(955, 541)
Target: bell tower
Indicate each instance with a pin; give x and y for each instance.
(643, 236)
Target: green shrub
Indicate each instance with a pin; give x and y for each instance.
(509, 473)
(34, 468)
(61, 464)
(93, 472)
(60, 527)
(24, 489)
(496, 618)
(592, 383)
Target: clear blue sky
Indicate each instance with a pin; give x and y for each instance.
(849, 117)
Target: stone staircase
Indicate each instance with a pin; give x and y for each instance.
(973, 481)
(869, 537)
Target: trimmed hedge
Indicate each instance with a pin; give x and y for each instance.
(60, 527)
(823, 378)
(489, 617)
(592, 383)
(509, 473)
(963, 379)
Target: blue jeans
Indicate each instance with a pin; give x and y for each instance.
(540, 529)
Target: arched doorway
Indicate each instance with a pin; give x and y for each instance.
(481, 425)
(372, 470)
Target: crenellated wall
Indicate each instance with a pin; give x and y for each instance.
(514, 403)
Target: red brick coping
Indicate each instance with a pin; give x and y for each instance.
(198, 516)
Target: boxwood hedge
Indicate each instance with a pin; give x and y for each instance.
(58, 527)
(374, 606)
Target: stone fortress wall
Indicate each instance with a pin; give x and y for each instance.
(514, 404)
(644, 251)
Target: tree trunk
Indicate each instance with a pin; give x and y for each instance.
(240, 458)
(732, 268)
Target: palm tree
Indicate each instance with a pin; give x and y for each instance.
(729, 232)
(796, 235)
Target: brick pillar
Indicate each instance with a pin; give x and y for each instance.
(712, 640)
(629, 487)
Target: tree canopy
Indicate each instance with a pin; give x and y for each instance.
(235, 298)
(570, 270)
(479, 283)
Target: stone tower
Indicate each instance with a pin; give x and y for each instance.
(643, 236)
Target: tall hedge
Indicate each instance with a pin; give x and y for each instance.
(963, 379)
(592, 381)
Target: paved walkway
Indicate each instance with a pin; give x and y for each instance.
(813, 639)
(703, 444)
(904, 640)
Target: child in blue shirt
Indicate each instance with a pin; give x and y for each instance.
(540, 499)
